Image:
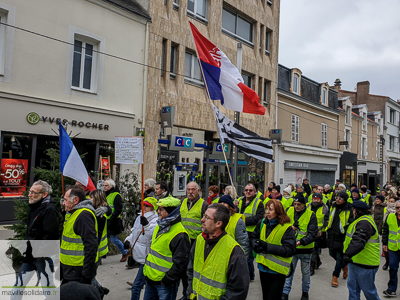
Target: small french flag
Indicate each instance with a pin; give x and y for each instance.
(222, 78)
(71, 164)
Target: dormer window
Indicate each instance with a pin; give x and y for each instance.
(295, 84)
(324, 100)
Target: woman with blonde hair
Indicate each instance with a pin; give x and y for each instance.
(231, 191)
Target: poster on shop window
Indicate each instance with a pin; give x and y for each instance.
(128, 150)
(13, 177)
(105, 167)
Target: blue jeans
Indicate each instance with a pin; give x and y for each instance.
(305, 260)
(115, 240)
(250, 263)
(338, 256)
(138, 284)
(361, 279)
(160, 292)
(394, 260)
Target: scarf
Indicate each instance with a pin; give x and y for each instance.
(273, 222)
(211, 198)
(275, 196)
(165, 224)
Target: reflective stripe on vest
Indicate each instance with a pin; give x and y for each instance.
(110, 201)
(304, 220)
(159, 260)
(394, 232)
(191, 219)
(231, 227)
(276, 263)
(72, 248)
(210, 276)
(250, 210)
(343, 216)
(369, 256)
(103, 245)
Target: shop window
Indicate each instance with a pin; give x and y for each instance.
(15, 164)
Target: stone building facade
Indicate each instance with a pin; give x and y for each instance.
(172, 81)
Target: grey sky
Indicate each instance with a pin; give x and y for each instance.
(353, 40)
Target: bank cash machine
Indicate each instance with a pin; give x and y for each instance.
(183, 173)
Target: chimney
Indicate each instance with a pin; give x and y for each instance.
(337, 85)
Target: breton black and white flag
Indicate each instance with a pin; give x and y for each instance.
(245, 140)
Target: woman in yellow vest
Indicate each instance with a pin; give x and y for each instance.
(274, 242)
(361, 253)
(213, 194)
(236, 227)
(391, 244)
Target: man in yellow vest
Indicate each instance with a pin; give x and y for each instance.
(114, 224)
(218, 267)
(169, 252)
(252, 207)
(391, 243)
(236, 227)
(192, 211)
(361, 252)
(79, 243)
(305, 225)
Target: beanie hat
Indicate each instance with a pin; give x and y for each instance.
(342, 186)
(355, 191)
(360, 205)
(277, 187)
(169, 203)
(338, 180)
(299, 198)
(151, 201)
(354, 185)
(364, 189)
(343, 195)
(317, 195)
(288, 190)
(227, 199)
(380, 197)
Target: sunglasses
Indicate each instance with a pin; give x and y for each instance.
(248, 190)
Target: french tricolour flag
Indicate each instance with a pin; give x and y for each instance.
(223, 79)
(71, 164)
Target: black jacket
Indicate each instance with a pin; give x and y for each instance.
(114, 224)
(288, 247)
(363, 232)
(260, 212)
(335, 237)
(85, 227)
(43, 220)
(237, 275)
(180, 248)
(312, 231)
(385, 231)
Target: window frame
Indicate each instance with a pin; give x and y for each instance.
(251, 78)
(266, 94)
(192, 80)
(363, 147)
(234, 34)
(175, 4)
(268, 34)
(295, 129)
(324, 97)
(364, 123)
(392, 141)
(194, 13)
(324, 135)
(173, 61)
(96, 88)
(296, 88)
(85, 42)
(348, 115)
(7, 13)
(392, 116)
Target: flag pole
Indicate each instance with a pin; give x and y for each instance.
(62, 184)
(142, 198)
(209, 98)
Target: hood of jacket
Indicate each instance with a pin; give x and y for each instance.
(85, 204)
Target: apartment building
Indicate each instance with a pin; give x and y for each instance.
(58, 72)
(176, 78)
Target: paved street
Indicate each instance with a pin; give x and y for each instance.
(113, 275)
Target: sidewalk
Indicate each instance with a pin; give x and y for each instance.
(5, 233)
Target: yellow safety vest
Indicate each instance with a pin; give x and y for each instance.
(274, 262)
(303, 224)
(103, 246)
(343, 216)
(209, 277)
(369, 256)
(215, 200)
(320, 214)
(250, 210)
(394, 232)
(231, 227)
(110, 201)
(289, 202)
(284, 202)
(159, 261)
(191, 219)
(72, 249)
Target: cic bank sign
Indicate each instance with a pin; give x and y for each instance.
(181, 143)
